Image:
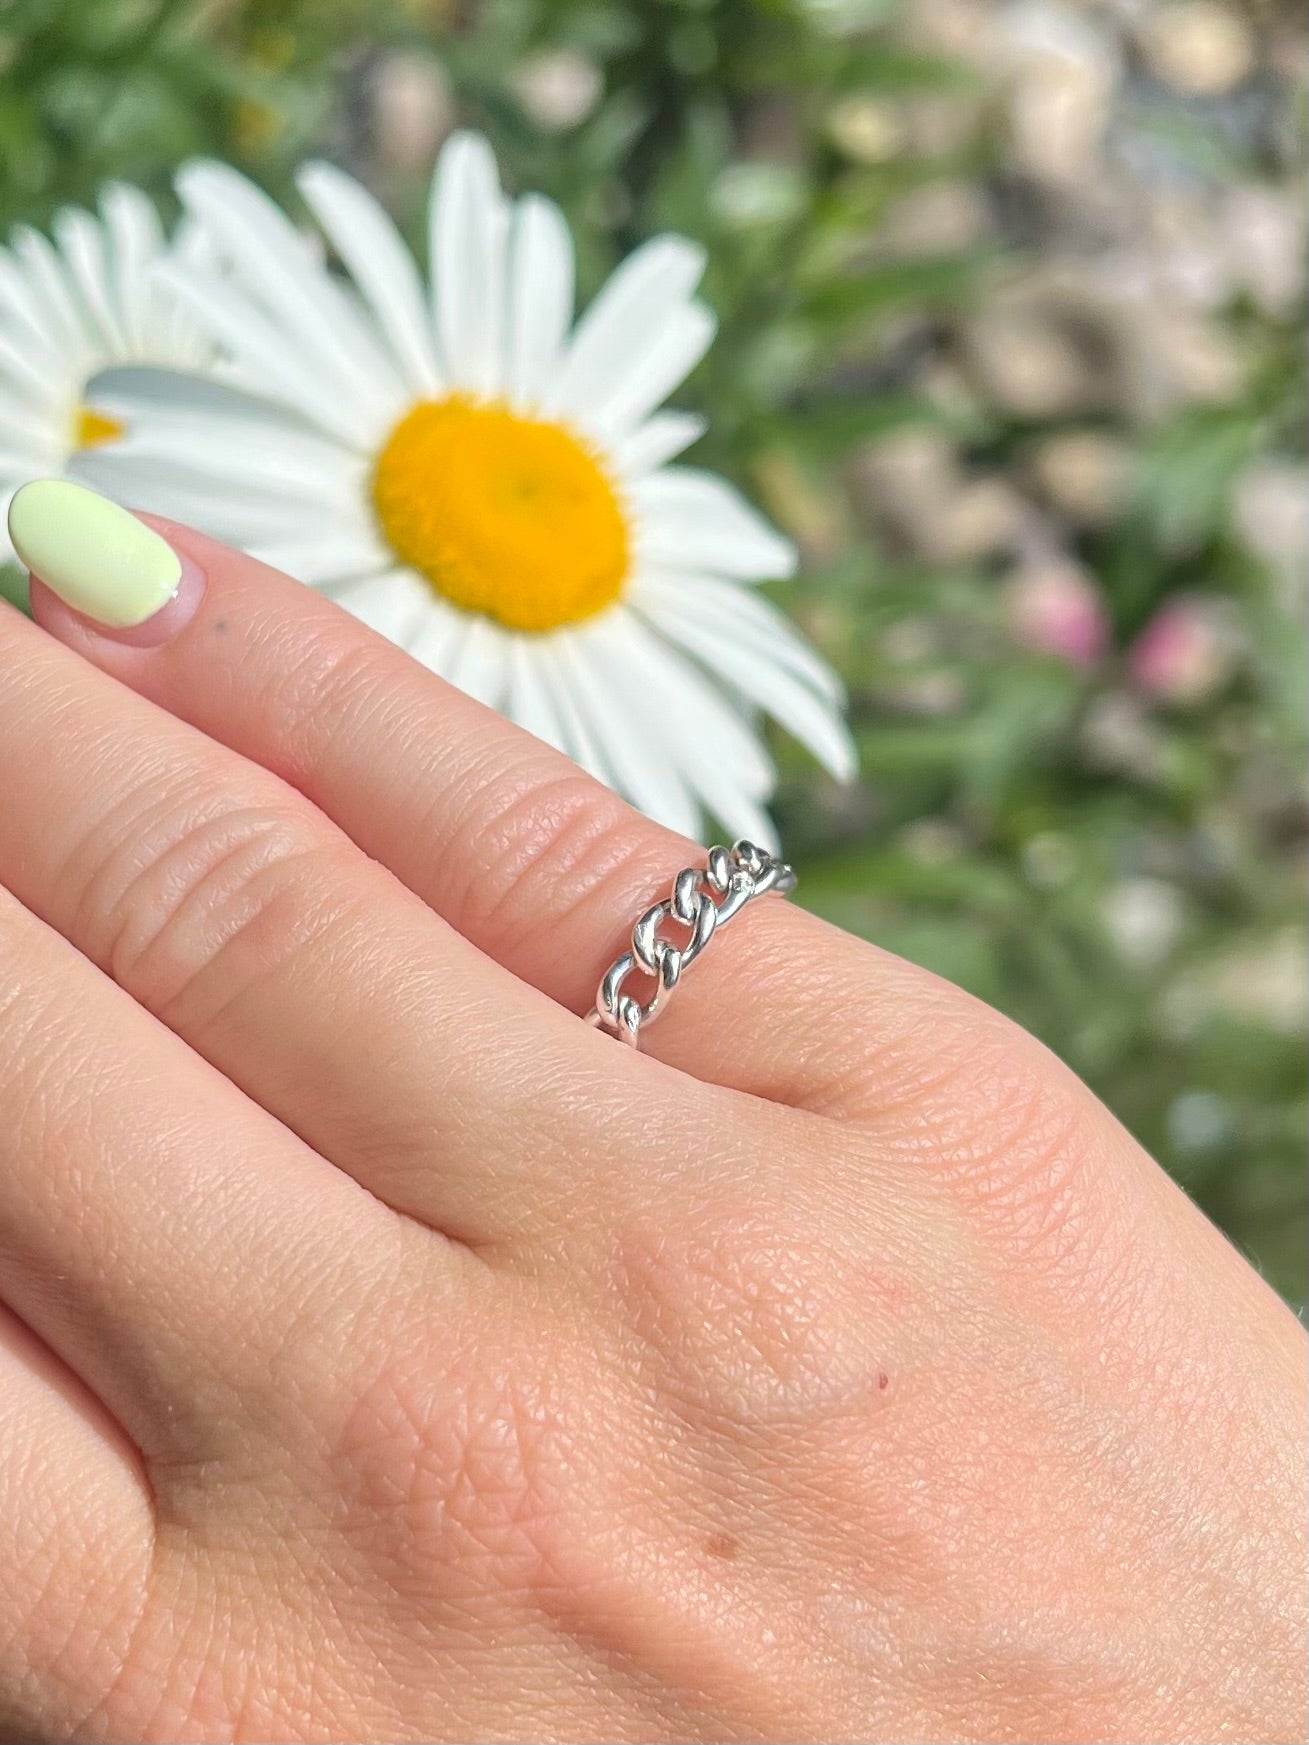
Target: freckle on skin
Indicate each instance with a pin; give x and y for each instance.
(721, 1545)
(219, 624)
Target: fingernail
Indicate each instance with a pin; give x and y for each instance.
(98, 558)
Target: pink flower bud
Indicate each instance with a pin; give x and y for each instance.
(1055, 608)
(1184, 653)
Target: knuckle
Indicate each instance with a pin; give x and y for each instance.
(756, 1327)
(469, 1470)
(319, 697)
(916, 1039)
(552, 843)
(1006, 1130)
(1034, 1171)
(185, 881)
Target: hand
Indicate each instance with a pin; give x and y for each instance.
(388, 1356)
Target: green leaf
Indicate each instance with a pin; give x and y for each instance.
(892, 72)
(1187, 470)
(890, 286)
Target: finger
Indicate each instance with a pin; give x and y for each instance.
(158, 1231)
(530, 859)
(227, 905)
(538, 865)
(76, 1533)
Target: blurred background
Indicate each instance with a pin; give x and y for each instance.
(1012, 301)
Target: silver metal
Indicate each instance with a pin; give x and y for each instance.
(703, 900)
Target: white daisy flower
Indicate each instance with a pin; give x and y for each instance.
(69, 309)
(487, 484)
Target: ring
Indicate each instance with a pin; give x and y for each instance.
(703, 900)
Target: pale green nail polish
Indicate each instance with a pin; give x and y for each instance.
(100, 560)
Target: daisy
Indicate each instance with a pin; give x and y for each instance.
(487, 483)
(69, 309)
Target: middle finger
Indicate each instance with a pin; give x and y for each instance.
(225, 903)
(158, 1232)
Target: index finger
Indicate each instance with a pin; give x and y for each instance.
(532, 860)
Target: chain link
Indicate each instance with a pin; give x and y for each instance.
(703, 900)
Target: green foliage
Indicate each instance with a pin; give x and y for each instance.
(1122, 875)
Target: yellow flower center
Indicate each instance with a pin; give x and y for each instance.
(504, 515)
(92, 429)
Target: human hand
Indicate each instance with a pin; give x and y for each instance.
(389, 1356)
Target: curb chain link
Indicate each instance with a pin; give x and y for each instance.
(703, 900)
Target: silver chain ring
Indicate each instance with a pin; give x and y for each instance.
(703, 900)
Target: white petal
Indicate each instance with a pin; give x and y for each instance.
(310, 311)
(261, 456)
(810, 718)
(579, 737)
(154, 386)
(393, 603)
(43, 439)
(626, 726)
(377, 260)
(659, 362)
(540, 299)
(530, 702)
(62, 313)
(82, 244)
(192, 497)
(690, 519)
(25, 380)
(646, 295)
(135, 241)
(741, 815)
(326, 558)
(8, 555)
(719, 758)
(141, 487)
(468, 225)
(268, 358)
(739, 614)
(479, 663)
(656, 441)
(438, 632)
(696, 714)
(182, 340)
(24, 304)
(21, 463)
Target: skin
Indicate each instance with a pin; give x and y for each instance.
(385, 1355)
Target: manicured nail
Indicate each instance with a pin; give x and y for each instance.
(96, 557)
